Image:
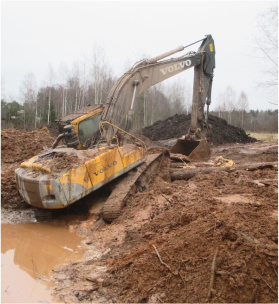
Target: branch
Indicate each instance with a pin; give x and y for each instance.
(213, 267)
(163, 262)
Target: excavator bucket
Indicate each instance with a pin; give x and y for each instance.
(196, 150)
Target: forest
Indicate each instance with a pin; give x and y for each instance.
(42, 106)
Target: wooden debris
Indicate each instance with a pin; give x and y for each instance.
(213, 267)
(188, 173)
(174, 273)
(269, 286)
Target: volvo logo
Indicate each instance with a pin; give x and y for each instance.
(105, 168)
(176, 66)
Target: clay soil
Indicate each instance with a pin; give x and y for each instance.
(212, 238)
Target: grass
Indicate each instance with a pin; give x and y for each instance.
(265, 137)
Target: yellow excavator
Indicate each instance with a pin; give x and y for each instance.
(97, 146)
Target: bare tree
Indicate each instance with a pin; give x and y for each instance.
(64, 74)
(29, 91)
(175, 92)
(75, 85)
(242, 105)
(98, 71)
(84, 79)
(188, 97)
(221, 105)
(50, 82)
(266, 45)
(227, 102)
(3, 96)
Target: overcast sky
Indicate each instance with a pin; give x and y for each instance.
(36, 34)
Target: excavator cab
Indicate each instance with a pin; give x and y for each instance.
(80, 129)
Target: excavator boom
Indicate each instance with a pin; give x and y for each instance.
(120, 103)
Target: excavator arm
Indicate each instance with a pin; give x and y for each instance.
(147, 73)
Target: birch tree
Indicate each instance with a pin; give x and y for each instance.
(266, 45)
(175, 92)
(64, 73)
(242, 105)
(28, 92)
(98, 71)
(50, 82)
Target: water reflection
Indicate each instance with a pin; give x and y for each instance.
(33, 249)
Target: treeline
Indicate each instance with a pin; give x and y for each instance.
(89, 82)
(253, 121)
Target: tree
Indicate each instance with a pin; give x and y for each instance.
(99, 71)
(266, 45)
(175, 92)
(10, 115)
(29, 91)
(227, 101)
(242, 105)
(64, 74)
(50, 82)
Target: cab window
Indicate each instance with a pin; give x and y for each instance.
(87, 128)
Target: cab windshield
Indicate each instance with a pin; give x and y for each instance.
(87, 128)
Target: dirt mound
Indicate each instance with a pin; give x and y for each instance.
(187, 229)
(178, 125)
(16, 147)
(20, 145)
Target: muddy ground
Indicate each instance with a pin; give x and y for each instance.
(165, 243)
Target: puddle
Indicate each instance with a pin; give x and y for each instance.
(28, 254)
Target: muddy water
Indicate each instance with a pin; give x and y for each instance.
(28, 254)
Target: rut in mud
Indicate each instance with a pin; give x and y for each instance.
(167, 239)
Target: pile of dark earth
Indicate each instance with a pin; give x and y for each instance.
(178, 125)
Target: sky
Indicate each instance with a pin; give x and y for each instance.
(37, 34)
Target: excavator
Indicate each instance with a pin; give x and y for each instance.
(98, 148)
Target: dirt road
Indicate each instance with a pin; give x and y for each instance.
(212, 238)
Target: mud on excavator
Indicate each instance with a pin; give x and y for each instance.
(97, 147)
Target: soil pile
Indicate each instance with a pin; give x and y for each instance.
(16, 147)
(178, 125)
(20, 145)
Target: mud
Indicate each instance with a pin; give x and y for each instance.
(28, 254)
(187, 221)
(16, 147)
(162, 247)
